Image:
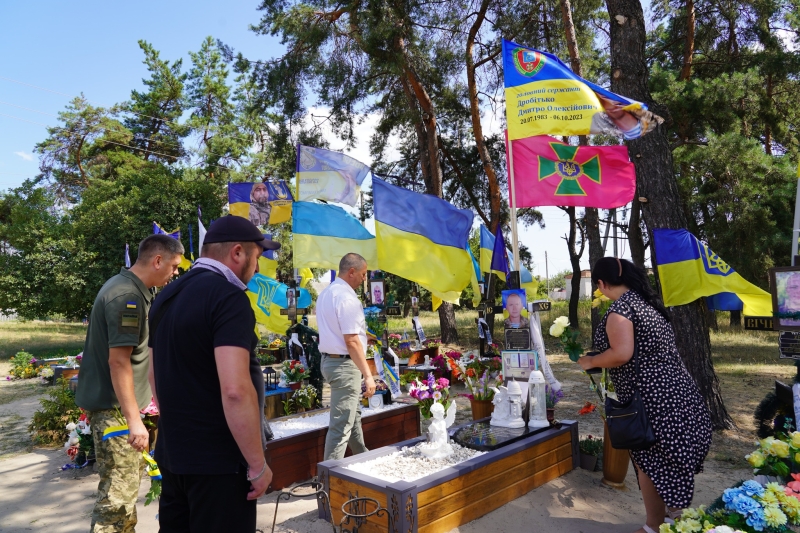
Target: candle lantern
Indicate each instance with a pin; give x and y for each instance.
(270, 379)
(537, 400)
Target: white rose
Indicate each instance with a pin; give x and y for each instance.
(556, 330)
(562, 321)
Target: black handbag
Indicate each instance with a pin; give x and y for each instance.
(628, 426)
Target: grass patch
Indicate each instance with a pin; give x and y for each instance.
(42, 339)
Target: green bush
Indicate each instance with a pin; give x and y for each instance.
(49, 424)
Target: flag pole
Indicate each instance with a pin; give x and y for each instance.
(796, 226)
(513, 193)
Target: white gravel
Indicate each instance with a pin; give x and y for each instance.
(295, 426)
(409, 464)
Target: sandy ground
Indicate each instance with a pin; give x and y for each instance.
(36, 495)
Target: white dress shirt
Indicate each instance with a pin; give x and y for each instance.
(339, 313)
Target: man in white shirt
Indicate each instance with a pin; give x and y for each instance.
(343, 344)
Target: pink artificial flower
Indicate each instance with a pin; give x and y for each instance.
(793, 487)
(443, 383)
(151, 408)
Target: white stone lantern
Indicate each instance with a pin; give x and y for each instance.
(537, 401)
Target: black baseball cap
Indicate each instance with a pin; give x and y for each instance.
(237, 229)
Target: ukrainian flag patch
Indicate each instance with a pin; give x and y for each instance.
(131, 305)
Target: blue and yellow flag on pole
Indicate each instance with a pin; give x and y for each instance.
(268, 297)
(526, 279)
(261, 203)
(158, 230)
(689, 270)
(544, 97)
(423, 238)
(327, 175)
(322, 234)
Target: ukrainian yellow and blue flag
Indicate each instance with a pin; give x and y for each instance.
(326, 175)
(268, 297)
(544, 97)
(323, 233)
(158, 230)
(261, 203)
(689, 270)
(527, 281)
(423, 239)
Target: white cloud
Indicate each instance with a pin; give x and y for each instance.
(24, 155)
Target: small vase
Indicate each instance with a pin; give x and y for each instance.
(481, 408)
(294, 385)
(588, 462)
(551, 415)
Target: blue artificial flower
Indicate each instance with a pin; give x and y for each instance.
(752, 488)
(728, 495)
(756, 520)
(745, 505)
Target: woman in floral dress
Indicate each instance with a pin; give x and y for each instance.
(676, 410)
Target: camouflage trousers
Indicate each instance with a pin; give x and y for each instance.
(120, 468)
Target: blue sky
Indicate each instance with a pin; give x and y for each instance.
(91, 47)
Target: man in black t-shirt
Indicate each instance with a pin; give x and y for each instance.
(209, 387)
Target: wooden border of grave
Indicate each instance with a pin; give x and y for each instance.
(459, 494)
(294, 459)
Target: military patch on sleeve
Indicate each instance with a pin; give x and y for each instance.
(128, 322)
(131, 305)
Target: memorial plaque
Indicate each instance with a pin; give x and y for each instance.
(540, 306)
(484, 437)
(759, 323)
(394, 310)
(518, 338)
(789, 344)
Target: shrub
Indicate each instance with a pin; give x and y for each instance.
(49, 423)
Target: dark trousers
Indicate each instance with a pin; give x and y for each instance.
(198, 503)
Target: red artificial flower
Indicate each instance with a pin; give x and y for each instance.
(82, 417)
(587, 408)
(793, 487)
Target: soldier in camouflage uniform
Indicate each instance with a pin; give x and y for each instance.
(112, 383)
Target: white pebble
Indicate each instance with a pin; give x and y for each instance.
(409, 464)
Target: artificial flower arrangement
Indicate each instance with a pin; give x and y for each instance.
(428, 391)
(394, 340)
(492, 350)
(47, 373)
(373, 350)
(374, 324)
(80, 444)
(552, 396)
(746, 508)
(305, 397)
(294, 371)
(440, 365)
(774, 456)
(432, 343)
(480, 383)
(277, 343)
(23, 366)
(568, 337)
(591, 446)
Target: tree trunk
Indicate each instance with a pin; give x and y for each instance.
(655, 180)
(575, 261)
(711, 316)
(688, 44)
(447, 323)
(736, 319)
(635, 237)
(477, 128)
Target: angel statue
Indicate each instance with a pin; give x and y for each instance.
(438, 447)
(500, 401)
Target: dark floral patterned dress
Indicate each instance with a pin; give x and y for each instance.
(674, 406)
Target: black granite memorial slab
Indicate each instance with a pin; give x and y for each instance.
(518, 338)
(484, 437)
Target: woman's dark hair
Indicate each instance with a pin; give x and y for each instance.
(616, 272)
